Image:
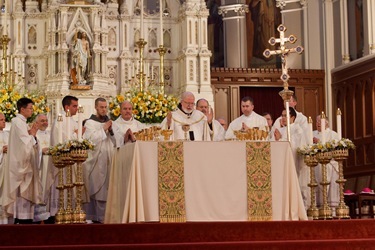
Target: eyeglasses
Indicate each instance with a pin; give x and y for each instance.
(189, 103)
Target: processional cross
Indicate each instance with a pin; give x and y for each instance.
(283, 51)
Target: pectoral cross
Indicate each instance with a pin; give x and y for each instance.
(283, 51)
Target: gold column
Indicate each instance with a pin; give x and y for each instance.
(57, 162)
(79, 156)
(312, 162)
(4, 40)
(342, 210)
(325, 212)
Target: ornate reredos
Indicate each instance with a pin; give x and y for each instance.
(79, 23)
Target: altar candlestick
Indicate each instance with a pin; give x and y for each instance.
(323, 127)
(80, 121)
(68, 132)
(59, 127)
(161, 22)
(310, 142)
(141, 35)
(339, 131)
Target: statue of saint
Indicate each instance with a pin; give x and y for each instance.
(80, 59)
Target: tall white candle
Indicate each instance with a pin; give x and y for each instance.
(287, 120)
(310, 132)
(323, 127)
(339, 131)
(161, 22)
(80, 120)
(141, 35)
(59, 128)
(68, 130)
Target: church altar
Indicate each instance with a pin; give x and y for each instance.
(215, 183)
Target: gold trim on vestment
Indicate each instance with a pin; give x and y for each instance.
(259, 184)
(171, 182)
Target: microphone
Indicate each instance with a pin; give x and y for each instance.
(106, 118)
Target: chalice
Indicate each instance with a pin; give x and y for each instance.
(186, 128)
(167, 134)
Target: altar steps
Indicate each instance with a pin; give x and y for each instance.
(336, 234)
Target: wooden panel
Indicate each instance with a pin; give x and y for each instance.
(265, 84)
(354, 93)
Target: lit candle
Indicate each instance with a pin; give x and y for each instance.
(80, 121)
(59, 128)
(141, 35)
(323, 127)
(339, 123)
(310, 131)
(68, 132)
(161, 22)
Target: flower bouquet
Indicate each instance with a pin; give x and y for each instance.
(148, 106)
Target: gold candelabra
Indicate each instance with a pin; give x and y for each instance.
(325, 211)
(59, 217)
(342, 210)
(79, 156)
(4, 40)
(141, 76)
(161, 51)
(312, 162)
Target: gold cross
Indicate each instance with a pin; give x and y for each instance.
(283, 51)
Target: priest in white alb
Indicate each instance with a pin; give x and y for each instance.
(127, 122)
(4, 138)
(248, 119)
(193, 120)
(217, 131)
(97, 167)
(22, 185)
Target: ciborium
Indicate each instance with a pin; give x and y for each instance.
(325, 212)
(342, 210)
(166, 133)
(312, 162)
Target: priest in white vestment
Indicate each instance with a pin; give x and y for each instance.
(22, 185)
(44, 139)
(297, 140)
(191, 118)
(217, 131)
(126, 121)
(332, 167)
(4, 138)
(98, 165)
(300, 118)
(68, 103)
(248, 119)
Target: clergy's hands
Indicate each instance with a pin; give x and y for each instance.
(244, 127)
(315, 140)
(129, 136)
(5, 149)
(44, 151)
(277, 135)
(107, 125)
(169, 119)
(34, 128)
(210, 115)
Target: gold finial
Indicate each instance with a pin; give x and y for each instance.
(310, 119)
(338, 111)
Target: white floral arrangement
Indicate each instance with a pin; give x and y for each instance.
(148, 106)
(344, 143)
(60, 148)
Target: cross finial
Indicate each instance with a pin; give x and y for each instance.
(283, 51)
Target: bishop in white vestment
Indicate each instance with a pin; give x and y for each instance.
(4, 138)
(187, 116)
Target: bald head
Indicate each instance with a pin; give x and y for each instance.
(187, 102)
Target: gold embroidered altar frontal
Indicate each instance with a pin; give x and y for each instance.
(171, 182)
(259, 184)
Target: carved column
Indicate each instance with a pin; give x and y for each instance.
(235, 40)
(344, 31)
